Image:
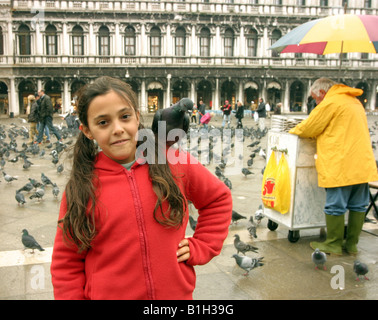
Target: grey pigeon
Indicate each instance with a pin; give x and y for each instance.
(60, 168)
(246, 172)
(259, 214)
(8, 178)
(55, 190)
(39, 193)
(247, 263)
(27, 187)
(236, 216)
(29, 242)
(243, 247)
(319, 258)
(360, 269)
(20, 198)
(193, 223)
(45, 180)
(252, 227)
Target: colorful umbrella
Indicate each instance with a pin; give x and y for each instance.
(333, 34)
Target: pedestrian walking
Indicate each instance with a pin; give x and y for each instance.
(239, 114)
(344, 161)
(201, 110)
(261, 111)
(122, 220)
(46, 116)
(226, 108)
(33, 117)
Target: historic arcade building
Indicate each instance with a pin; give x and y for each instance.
(166, 50)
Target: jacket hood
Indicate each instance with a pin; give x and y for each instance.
(343, 89)
(104, 163)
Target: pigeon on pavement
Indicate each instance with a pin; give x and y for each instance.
(360, 269)
(8, 178)
(247, 263)
(246, 172)
(252, 227)
(29, 242)
(39, 193)
(259, 214)
(319, 258)
(20, 198)
(236, 216)
(243, 247)
(193, 223)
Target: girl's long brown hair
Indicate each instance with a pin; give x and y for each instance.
(78, 224)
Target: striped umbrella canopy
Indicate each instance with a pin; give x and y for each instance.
(333, 34)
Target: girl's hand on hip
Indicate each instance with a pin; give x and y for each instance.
(183, 253)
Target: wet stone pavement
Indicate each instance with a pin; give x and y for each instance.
(287, 273)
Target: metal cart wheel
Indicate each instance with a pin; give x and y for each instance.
(293, 236)
(272, 225)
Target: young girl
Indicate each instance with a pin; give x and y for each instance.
(121, 229)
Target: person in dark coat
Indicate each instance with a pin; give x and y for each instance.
(239, 114)
(261, 110)
(46, 111)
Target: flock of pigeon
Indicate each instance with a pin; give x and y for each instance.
(11, 152)
(21, 156)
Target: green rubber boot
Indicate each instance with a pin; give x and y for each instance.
(335, 236)
(355, 223)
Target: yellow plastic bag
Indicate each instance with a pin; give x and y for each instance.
(268, 183)
(282, 186)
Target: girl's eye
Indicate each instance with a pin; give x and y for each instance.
(125, 116)
(102, 123)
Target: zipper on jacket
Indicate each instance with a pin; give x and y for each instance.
(142, 235)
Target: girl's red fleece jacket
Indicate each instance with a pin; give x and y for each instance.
(132, 255)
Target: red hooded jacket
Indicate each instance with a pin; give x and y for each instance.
(132, 255)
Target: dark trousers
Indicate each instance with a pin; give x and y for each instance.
(47, 122)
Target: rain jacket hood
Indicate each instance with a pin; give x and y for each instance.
(344, 153)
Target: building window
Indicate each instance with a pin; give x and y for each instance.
(205, 42)
(130, 41)
(324, 3)
(180, 42)
(77, 41)
(103, 41)
(252, 43)
(253, 2)
(51, 41)
(345, 3)
(24, 39)
(276, 34)
(278, 2)
(155, 37)
(367, 4)
(301, 2)
(228, 43)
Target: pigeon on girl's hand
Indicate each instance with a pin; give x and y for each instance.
(360, 269)
(29, 242)
(319, 258)
(236, 216)
(243, 247)
(247, 263)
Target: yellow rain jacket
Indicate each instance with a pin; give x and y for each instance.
(344, 153)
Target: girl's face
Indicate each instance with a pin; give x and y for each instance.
(113, 123)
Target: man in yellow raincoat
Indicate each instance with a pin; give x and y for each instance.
(344, 161)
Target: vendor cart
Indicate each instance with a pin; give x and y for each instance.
(307, 199)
